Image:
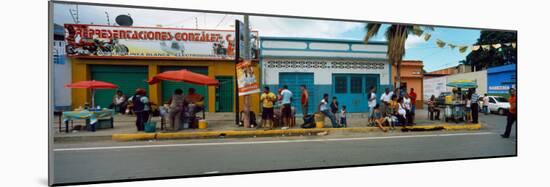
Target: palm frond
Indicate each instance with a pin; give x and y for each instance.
(431, 28)
(372, 30)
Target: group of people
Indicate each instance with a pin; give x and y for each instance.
(284, 98)
(465, 104)
(183, 107)
(140, 105)
(395, 107)
(269, 101)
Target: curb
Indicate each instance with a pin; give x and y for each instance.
(276, 132)
(82, 138)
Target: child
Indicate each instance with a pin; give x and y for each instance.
(379, 119)
(334, 106)
(343, 113)
(467, 109)
(393, 104)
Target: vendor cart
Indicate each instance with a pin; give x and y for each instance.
(454, 109)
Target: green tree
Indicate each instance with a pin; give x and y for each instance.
(396, 36)
(482, 58)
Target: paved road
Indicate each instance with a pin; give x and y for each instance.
(113, 161)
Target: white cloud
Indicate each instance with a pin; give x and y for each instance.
(267, 26)
(413, 41)
(291, 27)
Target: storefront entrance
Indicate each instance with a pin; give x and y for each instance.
(224, 94)
(168, 87)
(352, 89)
(127, 78)
(293, 81)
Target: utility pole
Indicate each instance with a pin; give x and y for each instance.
(74, 15)
(108, 21)
(237, 59)
(246, 40)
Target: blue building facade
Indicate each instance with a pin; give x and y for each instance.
(501, 78)
(342, 68)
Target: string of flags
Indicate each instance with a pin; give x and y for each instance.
(463, 48)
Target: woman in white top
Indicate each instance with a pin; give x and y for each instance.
(408, 108)
(407, 102)
(401, 111)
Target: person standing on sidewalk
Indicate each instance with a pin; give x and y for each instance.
(325, 109)
(304, 100)
(385, 99)
(474, 105)
(176, 103)
(267, 98)
(141, 108)
(287, 110)
(486, 104)
(371, 103)
(413, 97)
(512, 113)
(407, 103)
(343, 114)
(334, 107)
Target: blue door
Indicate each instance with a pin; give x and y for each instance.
(351, 90)
(293, 81)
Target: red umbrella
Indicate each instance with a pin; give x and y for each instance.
(184, 76)
(93, 84)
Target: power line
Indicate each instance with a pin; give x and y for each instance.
(225, 15)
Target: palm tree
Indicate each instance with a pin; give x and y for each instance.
(396, 35)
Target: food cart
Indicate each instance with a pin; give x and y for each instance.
(454, 106)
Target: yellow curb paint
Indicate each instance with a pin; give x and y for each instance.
(128, 137)
(236, 133)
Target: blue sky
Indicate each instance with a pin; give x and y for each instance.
(434, 58)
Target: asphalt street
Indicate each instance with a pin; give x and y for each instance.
(104, 161)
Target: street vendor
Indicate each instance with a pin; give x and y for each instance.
(195, 100)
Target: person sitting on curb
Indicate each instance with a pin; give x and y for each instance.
(432, 109)
(379, 120)
(325, 109)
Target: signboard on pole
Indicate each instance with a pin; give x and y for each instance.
(247, 81)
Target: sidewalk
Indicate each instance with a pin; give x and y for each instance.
(223, 124)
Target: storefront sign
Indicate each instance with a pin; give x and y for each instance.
(115, 41)
(247, 81)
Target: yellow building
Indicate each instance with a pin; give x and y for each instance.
(129, 56)
(131, 73)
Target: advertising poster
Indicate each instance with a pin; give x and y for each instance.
(247, 82)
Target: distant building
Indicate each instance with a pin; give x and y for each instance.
(461, 68)
(61, 70)
(411, 77)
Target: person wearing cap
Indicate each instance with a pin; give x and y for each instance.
(141, 107)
